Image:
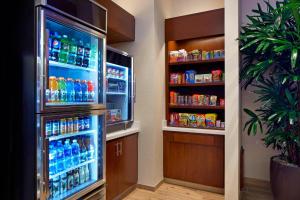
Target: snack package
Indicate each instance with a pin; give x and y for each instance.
(196, 54)
(195, 99)
(222, 124)
(199, 78)
(213, 100)
(183, 119)
(206, 100)
(210, 119)
(174, 119)
(201, 100)
(200, 118)
(222, 102)
(218, 123)
(173, 78)
(182, 55)
(173, 56)
(192, 120)
(190, 76)
(216, 75)
(207, 78)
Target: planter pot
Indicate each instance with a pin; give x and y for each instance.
(285, 179)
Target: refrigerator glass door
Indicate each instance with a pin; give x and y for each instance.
(73, 162)
(72, 65)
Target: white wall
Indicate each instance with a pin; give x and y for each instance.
(257, 156)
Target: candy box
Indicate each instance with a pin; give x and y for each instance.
(183, 119)
(210, 119)
(207, 78)
(199, 78)
(213, 100)
(192, 120)
(216, 75)
(190, 76)
(200, 118)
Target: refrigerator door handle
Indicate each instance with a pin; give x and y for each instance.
(134, 88)
(46, 168)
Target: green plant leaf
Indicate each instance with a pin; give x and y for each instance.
(294, 57)
(250, 113)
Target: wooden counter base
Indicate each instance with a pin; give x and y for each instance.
(194, 158)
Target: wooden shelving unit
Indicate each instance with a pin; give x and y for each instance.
(198, 62)
(221, 83)
(197, 107)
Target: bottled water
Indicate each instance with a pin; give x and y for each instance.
(83, 152)
(60, 156)
(68, 154)
(52, 159)
(75, 152)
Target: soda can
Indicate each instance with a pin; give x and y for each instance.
(63, 126)
(70, 125)
(63, 183)
(48, 128)
(70, 180)
(55, 187)
(76, 124)
(55, 127)
(87, 122)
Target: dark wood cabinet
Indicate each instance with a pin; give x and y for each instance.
(121, 166)
(196, 158)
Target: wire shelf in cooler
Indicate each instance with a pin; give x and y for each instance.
(73, 190)
(72, 168)
(67, 135)
(116, 93)
(69, 66)
(114, 78)
(68, 103)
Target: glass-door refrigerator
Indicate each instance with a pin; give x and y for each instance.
(120, 90)
(70, 99)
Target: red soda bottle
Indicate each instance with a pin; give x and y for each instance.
(91, 92)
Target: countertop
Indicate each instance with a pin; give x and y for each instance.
(135, 128)
(191, 130)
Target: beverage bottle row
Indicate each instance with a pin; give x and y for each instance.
(67, 125)
(67, 181)
(65, 50)
(63, 154)
(61, 90)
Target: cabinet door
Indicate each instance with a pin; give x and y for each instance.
(128, 162)
(112, 169)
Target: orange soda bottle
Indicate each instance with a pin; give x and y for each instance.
(53, 86)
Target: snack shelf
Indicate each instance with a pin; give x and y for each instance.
(206, 128)
(67, 135)
(197, 107)
(195, 62)
(69, 66)
(220, 83)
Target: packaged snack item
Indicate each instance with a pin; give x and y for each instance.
(190, 100)
(216, 75)
(195, 99)
(175, 97)
(218, 123)
(183, 119)
(182, 55)
(200, 118)
(204, 55)
(183, 79)
(179, 79)
(196, 54)
(207, 78)
(174, 117)
(210, 119)
(192, 120)
(201, 100)
(222, 53)
(173, 56)
(206, 100)
(222, 102)
(190, 76)
(199, 78)
(211, 55)
(213, 100)
(172, 97)
(173, 78)
(217, 54)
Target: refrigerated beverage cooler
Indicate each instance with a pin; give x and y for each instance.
(63, 115)
(120, 90)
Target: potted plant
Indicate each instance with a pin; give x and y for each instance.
(270, 48)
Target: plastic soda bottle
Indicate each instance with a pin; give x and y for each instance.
(78, 91)
(56, 46)
(63, 183)
(91, 92)
(87, 173)
(55, 187)
(50, 41)
(70, 180)
(84, 88)
(52, 159)
(75, 152)
(53, 86)
(72, 52)
(70, 90)
(82, 174)
(64, 50)
(76, 178)
(83, 152)
(60, 156)
(86, 56)
(79, 55)
(68, 154)
(93, 57)
(91, 151)
(62, 88)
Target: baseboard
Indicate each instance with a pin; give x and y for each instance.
(194, 185)
(146, 187)
(126, 192)
(250, 182)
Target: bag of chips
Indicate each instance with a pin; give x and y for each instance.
(210, 119)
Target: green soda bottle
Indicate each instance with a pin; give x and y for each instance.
(64, 51)
(72, 52)
(62, 89)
